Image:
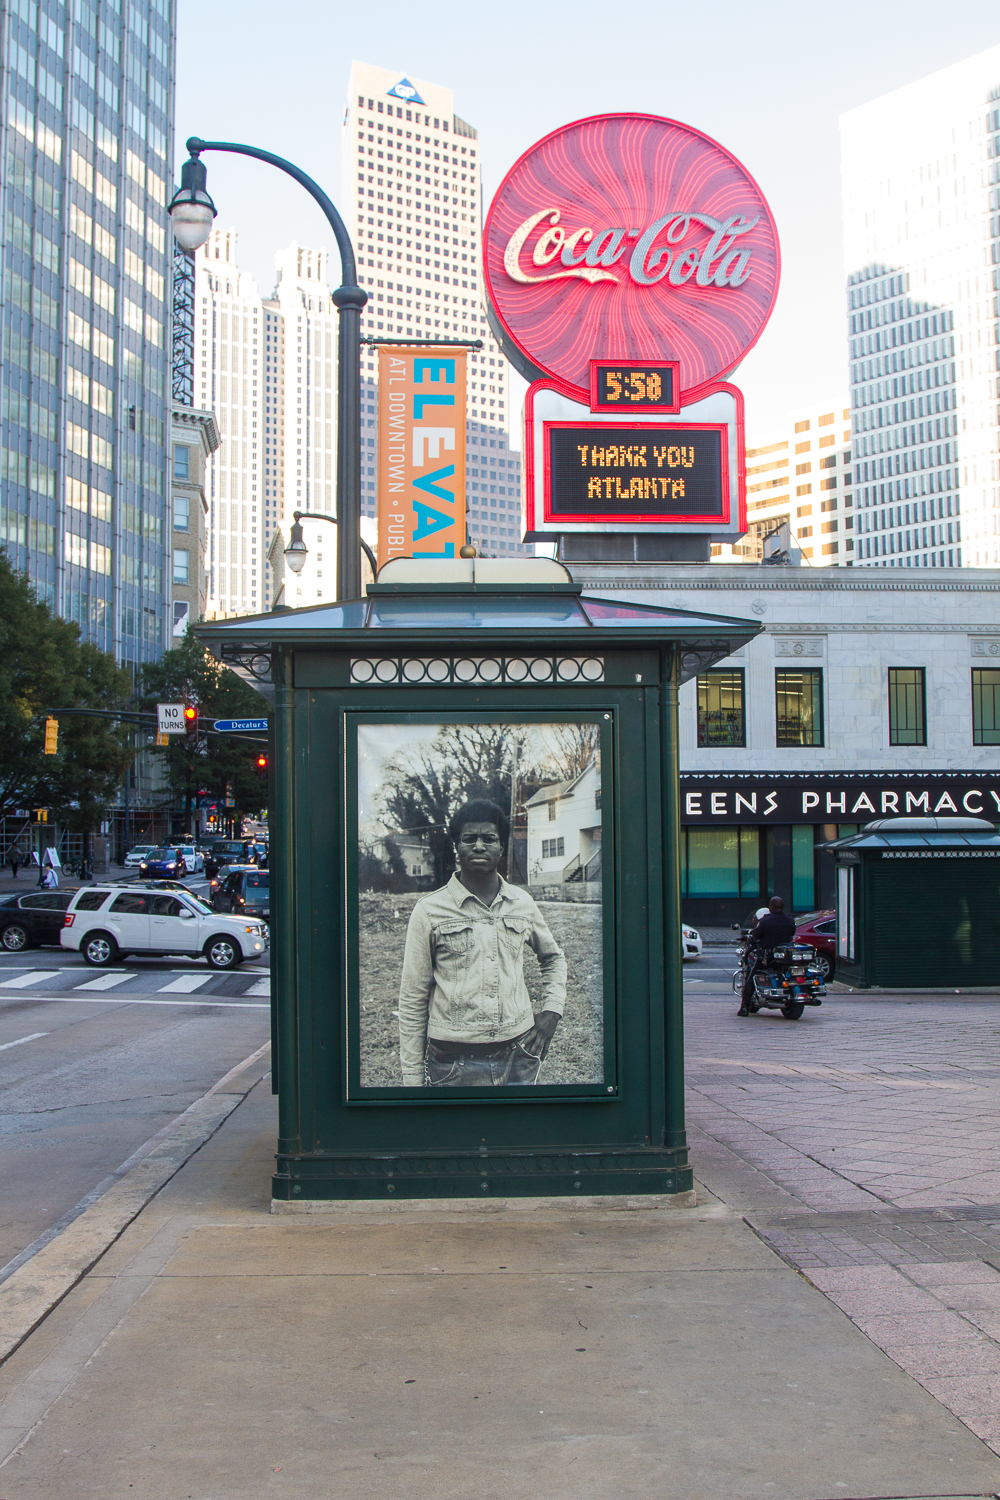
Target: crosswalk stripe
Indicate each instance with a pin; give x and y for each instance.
(185, 984)
(262, 987)
(105, 981)
(22, 1039)
(33, 976)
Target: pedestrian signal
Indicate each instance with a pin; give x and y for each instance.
(51, 736)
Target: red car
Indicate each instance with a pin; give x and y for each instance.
(820, 929)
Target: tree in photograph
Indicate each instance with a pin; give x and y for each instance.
(424, 786)
(45, 668)
(212, 763)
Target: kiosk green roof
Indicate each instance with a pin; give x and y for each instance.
(463, 604)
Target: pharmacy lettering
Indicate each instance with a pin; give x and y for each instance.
(853, 797)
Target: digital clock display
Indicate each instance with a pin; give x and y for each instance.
(633, 387)
(602, 470)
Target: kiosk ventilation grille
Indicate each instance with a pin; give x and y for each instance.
(437, 671)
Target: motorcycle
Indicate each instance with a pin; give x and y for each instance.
(785, 978)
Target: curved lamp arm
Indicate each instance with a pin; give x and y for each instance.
(196, 146)
(349, 299)
(312, 515)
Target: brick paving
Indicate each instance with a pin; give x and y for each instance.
(861, 1144)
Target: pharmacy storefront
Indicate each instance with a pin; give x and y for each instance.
(748, 836)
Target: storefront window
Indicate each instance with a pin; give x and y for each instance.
(721, 862)
(907, 718)
(986, 705)
(721, 716)
(799, 707)
(803, 868)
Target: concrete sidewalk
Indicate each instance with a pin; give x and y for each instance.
(218, 1352)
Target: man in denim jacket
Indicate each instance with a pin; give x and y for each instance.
(465, 1017)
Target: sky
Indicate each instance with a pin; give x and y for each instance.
(768, 81)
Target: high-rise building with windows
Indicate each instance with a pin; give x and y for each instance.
(800, 496)
(921, 185)
(87, 136)
(267, 367)
(412, 201)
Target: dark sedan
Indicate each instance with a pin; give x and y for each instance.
(820, 929)
(244, 893)
(30, 921)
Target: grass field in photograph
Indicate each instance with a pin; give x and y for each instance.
(577, 1051)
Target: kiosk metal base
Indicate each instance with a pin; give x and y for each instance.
(443, 1175)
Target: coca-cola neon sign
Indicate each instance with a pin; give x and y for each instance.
(629, 237)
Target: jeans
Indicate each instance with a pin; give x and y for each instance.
(479, 1065)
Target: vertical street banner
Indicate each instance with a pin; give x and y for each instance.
(421, 452)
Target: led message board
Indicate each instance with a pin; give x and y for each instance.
(649, 473)
(618, 471)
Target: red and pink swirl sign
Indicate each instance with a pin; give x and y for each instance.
(630, 237)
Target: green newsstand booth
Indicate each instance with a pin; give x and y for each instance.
(453, 681)
(918, 901)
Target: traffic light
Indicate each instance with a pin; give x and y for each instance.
(191, 721)
(262, 767)
(51, 736)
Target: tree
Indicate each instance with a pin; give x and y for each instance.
(45, 668)
(424, 787)
(217, 763)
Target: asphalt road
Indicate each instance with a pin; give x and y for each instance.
(95, 1061)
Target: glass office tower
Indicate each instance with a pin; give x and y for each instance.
(87, 129)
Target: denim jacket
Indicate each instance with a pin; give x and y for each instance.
(463, 971)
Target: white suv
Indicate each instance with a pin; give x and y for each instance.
(104, 923)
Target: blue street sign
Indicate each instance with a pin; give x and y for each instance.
(239, 726)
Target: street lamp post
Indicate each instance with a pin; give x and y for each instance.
(296, 552)
(191, 213)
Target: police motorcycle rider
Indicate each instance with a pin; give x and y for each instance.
(771, 928)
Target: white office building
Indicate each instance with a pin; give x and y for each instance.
(921, 168)
(267, 367)
(412, 201)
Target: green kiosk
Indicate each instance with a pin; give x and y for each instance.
(917, 903)
(476, 937)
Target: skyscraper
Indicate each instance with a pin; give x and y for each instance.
(87, 131)
(800, 501)
(412, 202)
(266, 366)
(921, 168)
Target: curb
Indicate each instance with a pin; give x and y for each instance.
(613, 1203)
(47, 1275)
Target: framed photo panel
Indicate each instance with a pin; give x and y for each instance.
(481, 914)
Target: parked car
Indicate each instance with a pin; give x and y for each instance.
(244, 893)
(137, 855)
(820, 929)
(228, 852)
(692, 942)
(168, 861)
(31, 921)
(104, 923)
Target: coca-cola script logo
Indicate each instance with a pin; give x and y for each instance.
(630, 237)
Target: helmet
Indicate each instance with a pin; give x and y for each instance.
(762, 911)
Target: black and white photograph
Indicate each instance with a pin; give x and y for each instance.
(480, 911)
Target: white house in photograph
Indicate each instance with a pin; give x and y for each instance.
(564, 830)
